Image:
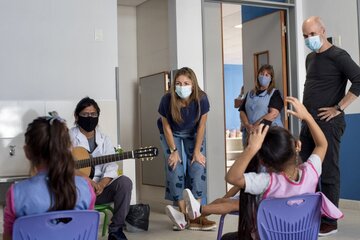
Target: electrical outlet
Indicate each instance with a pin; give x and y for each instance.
(98, 35)
(338, 41)
(335, 40)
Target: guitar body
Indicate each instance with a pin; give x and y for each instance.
(80, 153)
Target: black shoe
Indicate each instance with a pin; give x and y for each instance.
(118, 235)
(327, 229)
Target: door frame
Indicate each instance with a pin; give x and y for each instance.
(288, 42)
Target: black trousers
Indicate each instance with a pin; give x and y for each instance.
(119, 192)
(329, 182)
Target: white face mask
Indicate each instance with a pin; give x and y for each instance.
(183, 91)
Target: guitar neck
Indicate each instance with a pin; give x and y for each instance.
(92, 161)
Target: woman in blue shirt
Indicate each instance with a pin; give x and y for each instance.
(183, 113)
(264, 102)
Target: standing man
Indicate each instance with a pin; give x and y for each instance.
(328, 69)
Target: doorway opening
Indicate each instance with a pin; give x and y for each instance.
(252, 36)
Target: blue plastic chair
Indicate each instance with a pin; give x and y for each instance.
(57, 225)
(295, 218)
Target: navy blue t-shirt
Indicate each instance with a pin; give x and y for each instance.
(189, 114)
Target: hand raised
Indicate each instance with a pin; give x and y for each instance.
(257, 136)
(299, 109)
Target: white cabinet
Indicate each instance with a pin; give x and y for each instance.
(234, 147)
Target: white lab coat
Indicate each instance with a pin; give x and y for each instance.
(104, 147)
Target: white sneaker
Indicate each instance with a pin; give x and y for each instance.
(192, 205)
(175, 228)
(178, 218)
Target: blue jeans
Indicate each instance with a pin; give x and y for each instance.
(185, 175)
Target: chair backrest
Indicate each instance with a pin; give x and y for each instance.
(293, 218)
(72, 224)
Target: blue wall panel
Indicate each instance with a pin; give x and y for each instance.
(233, 77)
(350, 158)
(249, 13)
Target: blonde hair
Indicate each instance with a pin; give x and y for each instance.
(196, 94)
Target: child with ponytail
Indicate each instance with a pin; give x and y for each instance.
(55, 186)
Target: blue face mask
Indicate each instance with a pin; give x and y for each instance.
(183, 91)
(264, 80)
(313, 43)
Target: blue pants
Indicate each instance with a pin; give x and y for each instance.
(185, 175)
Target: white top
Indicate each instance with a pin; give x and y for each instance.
(104, 147)
(257, 183)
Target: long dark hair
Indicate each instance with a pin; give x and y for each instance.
(48, 144)
(278, 149)
(197, 93)
(248, 205)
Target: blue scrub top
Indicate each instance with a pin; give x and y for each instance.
(189, 114)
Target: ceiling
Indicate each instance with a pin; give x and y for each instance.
(232, 37)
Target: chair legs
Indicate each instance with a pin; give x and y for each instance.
(104, 208)
(221, 224)
(220, 228)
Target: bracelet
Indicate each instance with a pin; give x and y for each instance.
(173, 150)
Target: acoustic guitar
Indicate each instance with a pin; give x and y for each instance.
(84, 161)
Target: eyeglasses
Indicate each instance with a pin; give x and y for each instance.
(89, 114)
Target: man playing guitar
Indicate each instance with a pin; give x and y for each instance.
(108, 186)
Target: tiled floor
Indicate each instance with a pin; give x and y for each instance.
(160, 229)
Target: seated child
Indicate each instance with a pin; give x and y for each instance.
(278, 151)
(55, 186)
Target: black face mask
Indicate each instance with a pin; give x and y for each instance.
(88, 123)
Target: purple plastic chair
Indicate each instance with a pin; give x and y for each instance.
(295, 218)
(58, 225)
(221, 224)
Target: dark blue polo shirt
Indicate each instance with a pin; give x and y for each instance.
(189, 114)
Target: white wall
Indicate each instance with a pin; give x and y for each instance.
(340, 19)
(152, 37)
(128, 88)
(48, 53)
(153, 57)
(48, 50)
(214, 87)
(232, 37)
(186, 43)
(254, 42)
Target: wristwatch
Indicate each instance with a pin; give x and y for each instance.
(173, 150)
(338, 108)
